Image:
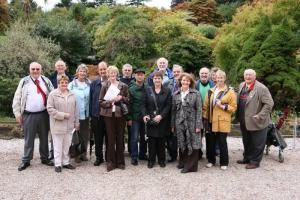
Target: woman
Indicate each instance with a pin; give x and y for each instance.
(114, 118)
(156, 115)
(220, 103)
(186, 123)
(80, 86)
(64, 117)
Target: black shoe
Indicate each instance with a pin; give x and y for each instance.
(184, 171)
(98, 162)
(57, 169)
(162, 164)
(134, 162)
(150, 165)
(179, 166)
(121, 166)
(69, 166)
(144, 157)
(23, 166)
(242, 162)
(47, 162)
(171, 160)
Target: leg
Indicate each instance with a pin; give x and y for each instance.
(111, 142)
(134, 140)
(161, 150)
(84, 135)
(259, 142)
(221, 138)
(98, 137)
(129, 139)
(143, 143)
(120, 126)
(246, 142)
(151, 149)
(43, 131)
(210, 148)
(65, 148)
(172, 147)
(58, 140)
(30, 129)
(103, 136)
(191, 161)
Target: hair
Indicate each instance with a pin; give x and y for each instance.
(252, 71)
(35, 63)
(102, 63)
(202, 68)
(221, 73)
(178, 66)
(62, 78)
(127, 65)
(60, 62)
(188, 76)
(82, 66)
(214, 69)
(159, 74)
(112, 68)
(162, 59)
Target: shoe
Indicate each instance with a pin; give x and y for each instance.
(179, 166)
(57, 169)
(98, 162)
(110, 167)
(242, 162)
(121, 166)
(77, 159)
(134, 162)
(23, 166)
(172, 160)
(251, 166)
(47, 162)
(184, 171)
(69, 166)
(224, 167)
(150, 165)
(162, 164)
(144, 157)
(209, 165)
(84, 158)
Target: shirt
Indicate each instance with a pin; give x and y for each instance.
(34, 101)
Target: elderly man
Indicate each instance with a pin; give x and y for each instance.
(255, 105)
(162, 65)
(203, 85)
(29, 108)
(97, 121)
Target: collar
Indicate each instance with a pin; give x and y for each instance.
(251, 86)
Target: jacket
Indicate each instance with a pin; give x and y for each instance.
(106, 106)
(53, 78)
(150, 77)
(220, 119)
(82, 97)
(20, 97)
(259, 103)
(57, 106)
(94, 105)
(136, 101)
(164, 103)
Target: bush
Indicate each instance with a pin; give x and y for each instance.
(8, 88)
(208, 31)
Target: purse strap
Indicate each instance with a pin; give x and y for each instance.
(154, 98)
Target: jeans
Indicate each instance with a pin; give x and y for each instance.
(138, 129)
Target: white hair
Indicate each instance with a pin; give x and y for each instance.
(60, 62)
(35, 64)
(127, 65)
(162, 59)
(250, 71)
(178, 66)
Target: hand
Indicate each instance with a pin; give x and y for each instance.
(117, 98)
(67, 116)
(146, 118)
(19, 119)
(77, 128)
(218, 102)
(129, 122)
(172, 129)
(256, 117)
(157, 118)
(198, 130)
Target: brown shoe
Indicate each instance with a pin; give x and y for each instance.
(251, 166)
(121, 166)
(110, 167)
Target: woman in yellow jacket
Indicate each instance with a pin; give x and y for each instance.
(220, 103)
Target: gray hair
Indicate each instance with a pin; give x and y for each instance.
(127, 65)
(35, 64)
(162, 59)
(102, 63)
(251, 71)
(82, 66)
(177, 66)
(60, 62)
(221, 73)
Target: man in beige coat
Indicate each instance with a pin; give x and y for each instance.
(255, 105)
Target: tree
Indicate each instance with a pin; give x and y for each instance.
(22, 9)
(136, 2)
(77, 12)
(64, 3)
(4, 15)
(176, 2)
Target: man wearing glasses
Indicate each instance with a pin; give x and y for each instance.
(29, 108)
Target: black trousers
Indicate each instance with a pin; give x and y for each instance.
(211, 139)
(99, 131)
(254, 144)
(156, 147)
(172, 146)
(189, 162)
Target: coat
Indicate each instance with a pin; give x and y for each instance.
(136, 101)
(164, 102)
(259, 103)
(186, 118)
(220, 119)
(57, 106)
(106, 106)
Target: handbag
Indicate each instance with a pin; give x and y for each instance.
(151, 121)
(124, 108)
(77, 146)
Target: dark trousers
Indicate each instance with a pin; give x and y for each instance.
(189, 162)
(138, 134)
(254, 144)
(172, 146)
(115, 140)
(129, 139)
(156, 147)
(35, 124)
(212, 138)
(84, 133)
(99, 131)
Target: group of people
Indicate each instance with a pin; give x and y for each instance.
(167, 110)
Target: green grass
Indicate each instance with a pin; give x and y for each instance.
(5, 119)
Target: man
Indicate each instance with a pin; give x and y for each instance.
(203, 85)
(127, 78)
(162, 65)
(136, 99)
(171, 139)
(255, 105)
(60, 69)
(97, 121)
(29, 108)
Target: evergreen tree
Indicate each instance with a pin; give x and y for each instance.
(136, 2)
(4, 15)
(176, 2)
(64, 3)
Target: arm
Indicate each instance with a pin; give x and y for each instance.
(16, 106)
(165, 111)
(267, 103)
(104, 103)
(205, 107)
(76, 116)
(231, 105)
(52, 110)
(129, 116)
(198, 108)
(91, 98)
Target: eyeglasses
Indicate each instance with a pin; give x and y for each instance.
(35, 69)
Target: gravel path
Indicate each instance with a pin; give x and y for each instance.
(273, 180)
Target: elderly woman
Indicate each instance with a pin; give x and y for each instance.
(156, 115)
(80, 86)
(186, 123)
(64, 117)
(110, 103)
(220, 103)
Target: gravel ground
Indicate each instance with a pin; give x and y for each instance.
(273, 180)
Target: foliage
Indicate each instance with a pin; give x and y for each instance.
(176, 2)
(189, 53)
(136, 2)
(22, 9)
(227, 10)
(8, 88)
(64, 3)
(4, 15)
(208, 31)
(19, 48)
(74, 40)
(77, 12)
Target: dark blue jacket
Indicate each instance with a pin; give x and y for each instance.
(53, 78)
(150, 77)
(94, 98)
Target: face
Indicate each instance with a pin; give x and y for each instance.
(162, 65)
(102, 70)
(185, 82)
(204, 75)
(157, 80)
(127, 72)
(249, 77)
(82, 74)
(220, 79)
(60, 68)
(63, 85)
(140, 77)
(214, 77)
(35, 71)
(176, 72)
(112, 75)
